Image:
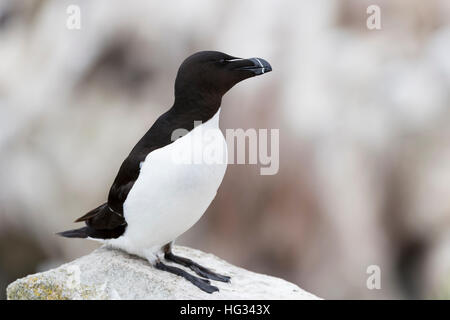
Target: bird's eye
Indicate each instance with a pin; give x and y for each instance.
(222, 61)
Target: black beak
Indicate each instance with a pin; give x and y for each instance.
(256, 65)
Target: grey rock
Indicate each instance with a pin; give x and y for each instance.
(112, 274)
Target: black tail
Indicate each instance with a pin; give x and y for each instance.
(94, 233)
(75, 233)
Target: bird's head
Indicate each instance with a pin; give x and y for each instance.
(210, 74)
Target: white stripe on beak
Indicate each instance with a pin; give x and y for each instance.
(262, 67)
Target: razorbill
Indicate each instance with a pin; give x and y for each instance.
(155, 198)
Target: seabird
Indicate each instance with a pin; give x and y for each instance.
(155, 198)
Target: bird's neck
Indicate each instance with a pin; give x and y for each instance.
(196, 107)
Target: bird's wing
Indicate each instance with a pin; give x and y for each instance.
(109, 215)
(158, 136)
(125, 179)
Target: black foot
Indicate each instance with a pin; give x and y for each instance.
(202, 284)
(198, 269)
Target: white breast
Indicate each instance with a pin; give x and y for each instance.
(175, 186)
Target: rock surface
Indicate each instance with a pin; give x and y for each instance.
(113, 274)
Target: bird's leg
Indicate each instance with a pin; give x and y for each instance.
(198, 269)
(202, 284)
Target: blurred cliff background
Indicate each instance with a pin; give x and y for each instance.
(363, 115)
